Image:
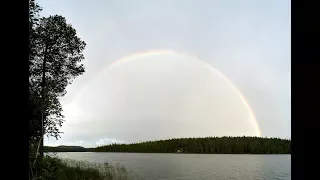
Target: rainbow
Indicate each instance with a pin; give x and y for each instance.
(210, 67)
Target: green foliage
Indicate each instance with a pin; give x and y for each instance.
(51, 168)
(34, 10)
(208, 145)
(55, 55)
(54, 64)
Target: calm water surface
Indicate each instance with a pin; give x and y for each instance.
(194, 166)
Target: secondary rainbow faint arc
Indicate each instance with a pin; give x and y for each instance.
(210, 67)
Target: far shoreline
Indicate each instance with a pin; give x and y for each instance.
(201, 145)
(163, 153)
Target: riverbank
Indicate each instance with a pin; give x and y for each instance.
(53, 168)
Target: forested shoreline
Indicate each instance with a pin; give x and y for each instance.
(207, 145)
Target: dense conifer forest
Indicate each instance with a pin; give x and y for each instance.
(208, 145)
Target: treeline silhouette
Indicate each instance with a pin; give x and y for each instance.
(66, 149)
(207, 145)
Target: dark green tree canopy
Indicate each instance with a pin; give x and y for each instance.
(55, 55)
(207, 145)
(34, 10)
(57, 43)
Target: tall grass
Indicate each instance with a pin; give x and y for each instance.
(106, 170)
(53, 168)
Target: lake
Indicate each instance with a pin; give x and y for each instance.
(153, 166)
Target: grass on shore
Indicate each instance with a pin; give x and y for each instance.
(52, 168)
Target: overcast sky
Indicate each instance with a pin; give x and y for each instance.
(171, 95)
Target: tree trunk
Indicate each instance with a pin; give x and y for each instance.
(41, 149)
